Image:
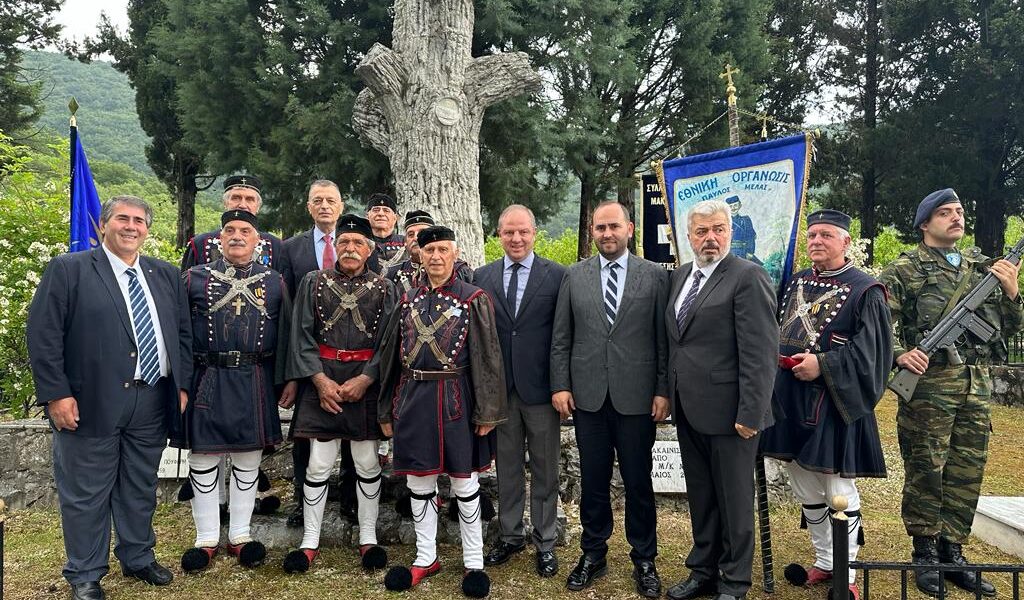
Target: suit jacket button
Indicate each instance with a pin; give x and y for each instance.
(131, 354)
(514, 333)
(127, 385)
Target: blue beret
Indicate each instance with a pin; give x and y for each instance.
(931, 202)
(832, 217)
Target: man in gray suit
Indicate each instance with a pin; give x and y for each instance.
(525, 288)
(608, 370)
(110, 343)
(723, 353)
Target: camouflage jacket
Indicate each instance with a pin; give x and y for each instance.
(921, 283)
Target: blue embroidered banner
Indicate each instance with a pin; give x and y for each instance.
(764, 184)
(85, 202)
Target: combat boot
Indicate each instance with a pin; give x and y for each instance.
(925, 553)
(951, 552)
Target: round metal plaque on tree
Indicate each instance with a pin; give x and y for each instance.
(447, 111)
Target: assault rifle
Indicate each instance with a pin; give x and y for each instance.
(955, 326)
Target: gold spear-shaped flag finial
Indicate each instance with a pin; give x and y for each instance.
(73, 107)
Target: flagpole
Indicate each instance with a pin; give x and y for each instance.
(73, 124)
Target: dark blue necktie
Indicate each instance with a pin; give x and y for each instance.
(513, 288)
(145, 336)
(688, 300)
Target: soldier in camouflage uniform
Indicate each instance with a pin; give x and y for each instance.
(944, 429)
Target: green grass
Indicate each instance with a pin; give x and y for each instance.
(34, 549)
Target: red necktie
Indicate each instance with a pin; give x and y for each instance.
(328, 252)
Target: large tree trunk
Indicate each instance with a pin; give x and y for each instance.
(869, 201)
(423, 107)
(184, 191)
(588, 200)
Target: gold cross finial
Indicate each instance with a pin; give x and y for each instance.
(730, 89)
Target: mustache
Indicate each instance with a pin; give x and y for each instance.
(236, 242)
(352, 255)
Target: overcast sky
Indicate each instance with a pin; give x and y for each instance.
(79, 17)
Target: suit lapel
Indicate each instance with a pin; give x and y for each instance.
(162, 298)
(106, 273)
(593, 267)
(634, 278)
(310, 245)
(537, 274)
(706, 291)
(495, 272)
(677, 286)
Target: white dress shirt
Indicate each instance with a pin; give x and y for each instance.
(707, 271)
(121, 275)
(525, 266)
(623, 262)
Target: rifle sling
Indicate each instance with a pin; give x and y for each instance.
(957, 295)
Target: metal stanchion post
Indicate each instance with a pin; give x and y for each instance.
(840, 550)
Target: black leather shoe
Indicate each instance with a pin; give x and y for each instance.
(586, 571)
(951, 552)
(925, 553)
(692, 588)
(547, 563)
(90, 590)
(645, 576)
(154, 574)
(501, 552)
(295, 517)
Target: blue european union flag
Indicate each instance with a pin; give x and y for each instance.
(85, 202)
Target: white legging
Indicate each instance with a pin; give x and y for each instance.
(815, 492)
(424, 512)
(204, 471)
(322, 455)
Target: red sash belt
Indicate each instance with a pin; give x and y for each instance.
(326, 352)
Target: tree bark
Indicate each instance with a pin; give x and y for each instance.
(424, 104)
(184, 191)
(869, 202)
(588, 200)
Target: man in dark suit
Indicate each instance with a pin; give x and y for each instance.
(525, 288)
(110, 341)
(302, 254)
(723, 352)
(314, 249)
(608, 360)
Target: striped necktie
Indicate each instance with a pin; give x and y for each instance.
(145, 336)
(611, 292)
(328, 259)
(688, 300)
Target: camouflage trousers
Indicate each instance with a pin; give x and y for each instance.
(943, 435)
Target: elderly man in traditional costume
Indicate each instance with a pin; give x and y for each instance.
(444, 384)
(835, 350)
(241, 192)
(240, 323)
(339, 314)
(409, 273)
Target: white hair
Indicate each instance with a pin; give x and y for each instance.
(227, 194)
(708, 208)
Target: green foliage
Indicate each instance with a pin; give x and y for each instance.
(34, 216)
(107, 121)
(25, 24)
(561, 249)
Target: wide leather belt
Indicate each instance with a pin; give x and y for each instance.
(329, 353)
(232, 359)
(417, 375)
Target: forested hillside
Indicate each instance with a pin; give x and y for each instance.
(107, 121)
